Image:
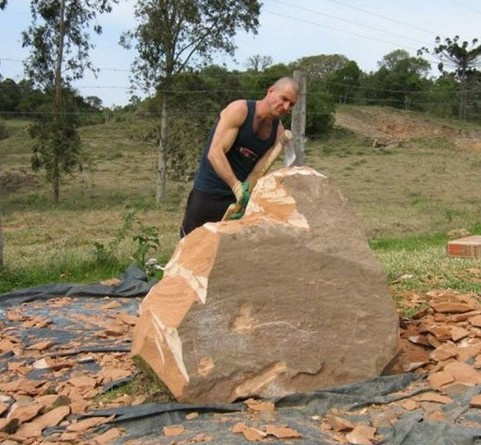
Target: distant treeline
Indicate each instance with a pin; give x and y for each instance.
(400, 81)
(23, 100)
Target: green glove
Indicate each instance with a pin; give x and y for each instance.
(239, 214)
(241, 192)
(246, 194)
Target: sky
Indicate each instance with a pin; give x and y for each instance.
(362, 30)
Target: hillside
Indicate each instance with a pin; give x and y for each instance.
(387, 127)
(404, 173)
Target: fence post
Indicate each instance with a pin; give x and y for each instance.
(298, 123)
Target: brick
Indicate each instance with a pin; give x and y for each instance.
(469, 247)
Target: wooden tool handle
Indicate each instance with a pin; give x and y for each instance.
(252, 179)
(233, 208)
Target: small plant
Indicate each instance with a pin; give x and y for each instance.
(146, 240)
(102, 253)
(107, 253)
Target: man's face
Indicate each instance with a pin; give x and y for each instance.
(281, 100)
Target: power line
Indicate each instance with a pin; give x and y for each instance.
(409, 25)
(465, 6)
(7, 59)
(346, 21)
(431, 59)
(336, 29)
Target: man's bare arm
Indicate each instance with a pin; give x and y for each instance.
(231, 119)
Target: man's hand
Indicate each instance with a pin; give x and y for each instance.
(239, 214)
(241, 192)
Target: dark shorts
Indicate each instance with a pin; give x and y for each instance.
(203, 207)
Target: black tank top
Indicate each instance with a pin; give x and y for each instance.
(247, 149)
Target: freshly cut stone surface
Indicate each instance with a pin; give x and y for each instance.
(288, 298)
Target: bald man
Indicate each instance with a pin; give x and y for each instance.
(239, 145)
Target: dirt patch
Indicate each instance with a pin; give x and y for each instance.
(388, 128)
(473, 144)
(14, 180)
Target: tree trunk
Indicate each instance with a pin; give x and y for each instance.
(1, 242)
(463, 93)
(58, 103)
(161, 179)
(56, 181)
(463, 101)
(346, 94)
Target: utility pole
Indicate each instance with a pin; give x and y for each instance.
(298, 125)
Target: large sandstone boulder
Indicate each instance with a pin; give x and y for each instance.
(287, 299)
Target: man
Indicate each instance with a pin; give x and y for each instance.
(239, 145)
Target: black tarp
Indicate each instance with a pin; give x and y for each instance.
(133, 283)
(362, 402)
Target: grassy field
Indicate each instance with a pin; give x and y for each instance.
(408, 197)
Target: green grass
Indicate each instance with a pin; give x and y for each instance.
(409, 243)
(423, 264)
(69, 268)
(421, 186)
(146, 385)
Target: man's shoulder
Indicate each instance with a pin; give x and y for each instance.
(237, 105)
(235, 112)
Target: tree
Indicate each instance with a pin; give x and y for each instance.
(255, 85)
(57, 145)
(173, 36)
(321, 66)
(10, 95)
(193, 106)
(403, 77)
(94, 102)
(212, 76)
(343, 81)
(460, 58)
(442, 100)
(3, 4)
(258, 63)
(400, 80)
(60, 44)
(320, 109)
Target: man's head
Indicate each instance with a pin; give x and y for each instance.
(282, 96)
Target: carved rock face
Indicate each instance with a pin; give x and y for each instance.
(287, 299)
